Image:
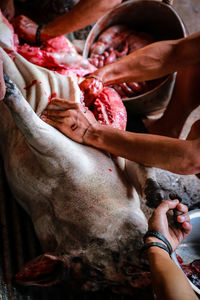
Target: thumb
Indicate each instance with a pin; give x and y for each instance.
(167, 205)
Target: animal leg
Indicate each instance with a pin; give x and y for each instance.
(148, 187)
(37, 133)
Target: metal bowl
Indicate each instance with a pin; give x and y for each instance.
(189, 249)
(156, 18)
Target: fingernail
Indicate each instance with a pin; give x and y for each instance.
(180, 218)
(44, 118)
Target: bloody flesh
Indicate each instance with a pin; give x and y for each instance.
(192, 270)
(114, 43)
(59, 54)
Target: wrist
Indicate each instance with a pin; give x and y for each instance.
(92, 134)
(152, 239)
(99, 75)
(154, 249)
(45, 33)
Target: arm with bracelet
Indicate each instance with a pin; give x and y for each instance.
(83, 14)
(169, 281)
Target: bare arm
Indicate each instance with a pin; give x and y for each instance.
(84, 13)
(153, 61)
(178, 156)
(169, 282)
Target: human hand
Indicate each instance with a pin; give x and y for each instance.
(91, 88)
(106, 58)
(72, 119)
(25, 28)
(8, 8)
(159, 222)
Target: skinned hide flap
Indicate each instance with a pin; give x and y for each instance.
(44, 270)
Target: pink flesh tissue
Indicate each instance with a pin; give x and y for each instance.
(58, 55)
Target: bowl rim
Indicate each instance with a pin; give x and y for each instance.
(163, 82)
(106, 15)
(89, 43)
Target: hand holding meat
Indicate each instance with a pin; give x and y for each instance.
(112, 45)
(73, 120)
(25, 28)
(159, 222)
(91, 88)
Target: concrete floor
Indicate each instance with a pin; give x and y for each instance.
(189, 11)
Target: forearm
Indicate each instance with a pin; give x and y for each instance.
(168, 280)
(153, 61)
(84, 13)
(150, 150)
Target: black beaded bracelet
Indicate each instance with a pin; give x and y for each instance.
(159, 236)
(37, 35)
(153, 244)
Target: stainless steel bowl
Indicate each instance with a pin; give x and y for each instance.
(189, 249)
(156, 18)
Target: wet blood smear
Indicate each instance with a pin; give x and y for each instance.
(32, 84)
(53, 95)
(110, 170)
(10, 53)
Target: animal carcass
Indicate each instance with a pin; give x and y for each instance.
(83, 204)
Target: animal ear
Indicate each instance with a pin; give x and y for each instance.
(44, 270)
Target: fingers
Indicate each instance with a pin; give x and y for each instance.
(183, 218)
(58, 124)
(187, 227)
(56, 119)
(55, 113)
(167, 205)
(182, 208)
(135, 86)
(51, 122)
(64, 103)
(16, 22)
